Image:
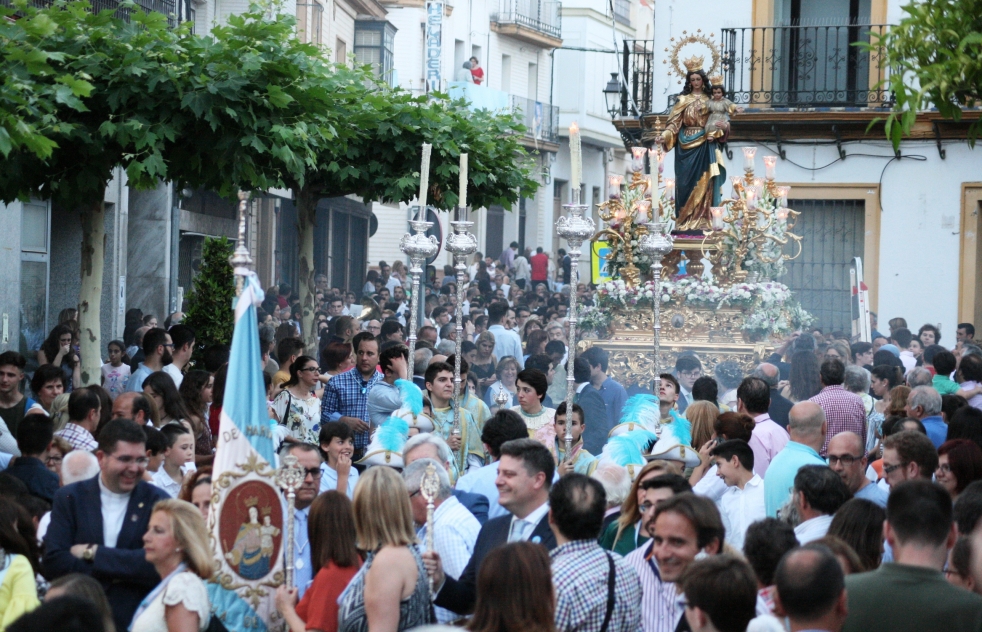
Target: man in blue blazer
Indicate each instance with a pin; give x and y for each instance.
(97, 525)
(525, 473)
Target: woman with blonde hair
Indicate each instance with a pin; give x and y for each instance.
(391, 591)
(176, 543)
(701, 415)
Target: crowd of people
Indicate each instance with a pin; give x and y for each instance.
(835, 486)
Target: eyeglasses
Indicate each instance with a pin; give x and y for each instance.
(890, 469)
(311, 368)
(52, 460)
(945, 468)
(314, 472)
(646, 507)
(845, 459)
(142, 461)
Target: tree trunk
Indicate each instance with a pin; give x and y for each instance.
(90, 294)
(306, 221)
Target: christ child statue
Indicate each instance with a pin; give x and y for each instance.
(720, 109)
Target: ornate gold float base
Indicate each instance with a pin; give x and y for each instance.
(715, 336)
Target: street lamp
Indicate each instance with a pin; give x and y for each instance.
(612, 94)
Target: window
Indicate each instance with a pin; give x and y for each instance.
(340, 51)
(374, 41)
(34, 246)
(309, 19)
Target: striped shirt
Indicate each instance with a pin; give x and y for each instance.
(661, 608)
(455, 532)
(580, 572)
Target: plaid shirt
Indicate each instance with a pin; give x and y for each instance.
(844, 412)
(79, 437)
(580, 572)
(346, 395)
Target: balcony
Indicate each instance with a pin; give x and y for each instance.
(532, 21)
(804, 67)
(541, 120)
(177, 11)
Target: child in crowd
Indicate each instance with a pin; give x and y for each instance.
(337, 443)
(582, 462)
(178, 453)
(156, 444)
(116, 372)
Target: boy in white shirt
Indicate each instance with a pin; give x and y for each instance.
(178, 453)
(743, 502)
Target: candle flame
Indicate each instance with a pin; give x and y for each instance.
(574, 128)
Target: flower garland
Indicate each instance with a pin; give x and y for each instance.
(769, 307)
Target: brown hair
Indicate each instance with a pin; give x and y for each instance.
(898, 401)
(201, 476)
(702, 415)
(734, 426)
(514, 591)
(840, 548)
(331, 531)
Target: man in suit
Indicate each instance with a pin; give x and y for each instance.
(594, 409)
(525, 472)
(97, 525)
(780, 406)
(431, 446)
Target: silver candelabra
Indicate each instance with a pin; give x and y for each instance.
(419, 247)
(461, 244)
(290, 477)
(575, 229)
(656, 244)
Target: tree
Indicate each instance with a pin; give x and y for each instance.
(935, 59)
(273, 112)
(209, 311)
(103, 123)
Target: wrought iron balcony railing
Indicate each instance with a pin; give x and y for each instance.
(541, 120)
(177, 11)
(636, 74)
(804, 66)
(536, 15)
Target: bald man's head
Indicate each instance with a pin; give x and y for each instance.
(769, 373)
(806, 421)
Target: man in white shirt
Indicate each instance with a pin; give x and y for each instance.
(506, 342)
(743, 502)
(818, 494)
(503, 426)
(309, 458)
(97, 525)
(182, 337)
(902, 337)
(455, 529)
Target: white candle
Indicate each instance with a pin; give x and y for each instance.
(463, 181)
(575, 156)
(670, 188)
(770, 167)
(748, 158)
(717, 213)
(424, 178)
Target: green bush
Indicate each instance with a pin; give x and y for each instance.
(209, 303)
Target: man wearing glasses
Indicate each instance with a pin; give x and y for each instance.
(97, 525)
(847, 458)
(309, 458)
(688, 369)
(157, 349)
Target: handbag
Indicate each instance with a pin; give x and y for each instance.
(611, 579)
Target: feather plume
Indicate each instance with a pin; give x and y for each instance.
(627, 449)
(680, 428)
(391, 435)
(641, 409)
(412, 397)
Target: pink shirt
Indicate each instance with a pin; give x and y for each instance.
(767, 440)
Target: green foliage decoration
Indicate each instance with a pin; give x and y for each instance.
(209, 303)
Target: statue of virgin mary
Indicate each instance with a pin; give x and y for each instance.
(699, 173)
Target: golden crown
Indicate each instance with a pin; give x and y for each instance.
(267, 510)
(694, 63)
(252, 501)
(716, 80)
